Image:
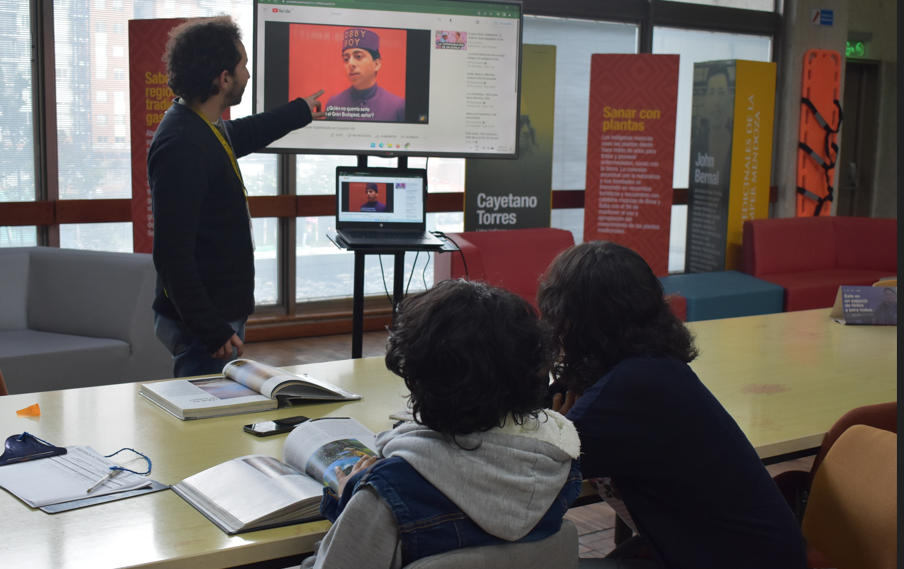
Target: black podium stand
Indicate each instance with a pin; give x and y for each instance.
(398, 280)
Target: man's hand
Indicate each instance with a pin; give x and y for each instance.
(359, 466)
(315, 105)
(563, 403)
(226, 350)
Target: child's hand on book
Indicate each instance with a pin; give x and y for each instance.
(362, 464)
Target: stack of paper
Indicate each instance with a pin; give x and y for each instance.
(66, 478)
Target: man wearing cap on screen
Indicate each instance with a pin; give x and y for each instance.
(373, 192)
(364, 100)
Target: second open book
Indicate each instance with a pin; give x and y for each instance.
(257, 491)
(245, 387)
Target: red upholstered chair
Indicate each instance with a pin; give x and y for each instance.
(515, 259)
(3, 390)
(810, 257)
(796, 484)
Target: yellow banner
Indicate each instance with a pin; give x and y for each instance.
(751, 160)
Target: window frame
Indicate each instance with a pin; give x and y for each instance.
(47, 216)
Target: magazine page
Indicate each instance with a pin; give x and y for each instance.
(307, 386)
(319, 446)
(273, 382)
(203, 392)
(256, 375)
(252, 487)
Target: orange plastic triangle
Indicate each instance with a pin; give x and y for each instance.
(32, 411)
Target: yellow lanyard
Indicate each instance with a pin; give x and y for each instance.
(235, 164)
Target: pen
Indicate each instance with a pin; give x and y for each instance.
(104, 479)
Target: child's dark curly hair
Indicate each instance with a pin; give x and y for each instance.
(197, 52)
(604, 304)
(471, 355)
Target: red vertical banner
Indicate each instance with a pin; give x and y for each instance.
(150, 96)
(631, 153)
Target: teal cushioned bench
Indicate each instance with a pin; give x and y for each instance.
(724, 294)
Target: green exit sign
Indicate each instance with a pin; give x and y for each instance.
(856, 49)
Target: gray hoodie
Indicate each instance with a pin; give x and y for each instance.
(505, 485)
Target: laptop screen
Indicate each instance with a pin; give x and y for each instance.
(380, 197)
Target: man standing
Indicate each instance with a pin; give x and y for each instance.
(364, 100)
(373, 193)
(203, 245)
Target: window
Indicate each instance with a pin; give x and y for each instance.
(100, 27)
(101, 120)
(118, 51)
(694, 46)
(16, 136)
(116, 237)
(89, 166)
(575, 41)
(17, 167)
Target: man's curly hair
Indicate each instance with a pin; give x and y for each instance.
(197, 52)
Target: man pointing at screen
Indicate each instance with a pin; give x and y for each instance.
(203, 244)
(364, 100)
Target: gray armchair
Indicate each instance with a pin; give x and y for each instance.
(71, 318)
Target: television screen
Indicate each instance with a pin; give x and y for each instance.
(401, 78)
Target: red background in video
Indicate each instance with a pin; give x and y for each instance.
(315, 60)
(357, 194)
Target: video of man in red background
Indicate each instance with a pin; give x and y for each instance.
(368, 74)
(367, 197)
(362, 70)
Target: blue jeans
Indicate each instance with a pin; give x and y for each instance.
(190, 357)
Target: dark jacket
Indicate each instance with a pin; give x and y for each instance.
(203, 247)
(692, 482)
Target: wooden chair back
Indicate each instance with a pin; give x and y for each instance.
(852, 512)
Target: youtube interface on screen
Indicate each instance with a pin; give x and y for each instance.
(433, 77)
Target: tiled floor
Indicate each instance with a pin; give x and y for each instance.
(595, 522)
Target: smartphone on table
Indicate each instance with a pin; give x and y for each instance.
(275, 427)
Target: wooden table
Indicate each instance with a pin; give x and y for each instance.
(785, 378)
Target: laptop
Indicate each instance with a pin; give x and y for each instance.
(383, 207)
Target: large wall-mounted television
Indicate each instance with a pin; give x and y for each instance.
(402, 77)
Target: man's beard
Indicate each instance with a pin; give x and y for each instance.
(234, 95)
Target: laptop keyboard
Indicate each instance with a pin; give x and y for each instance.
(383, 234)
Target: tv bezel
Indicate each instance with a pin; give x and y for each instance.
(400, 152)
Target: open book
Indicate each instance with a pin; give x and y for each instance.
(257, 492)
(245, 387)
